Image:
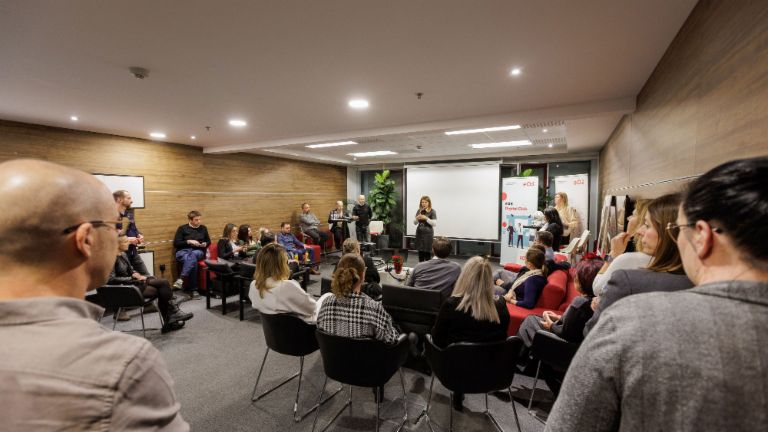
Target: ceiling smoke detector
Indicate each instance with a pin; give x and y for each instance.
(138, 72)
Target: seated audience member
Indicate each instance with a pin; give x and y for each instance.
(554, 226)
(348, 312)
(619, 258)
(693, 358)
(526, 289)
(664, 273)
(246, 240)
(471, 314)
(310, 226)
(371, 286)
(437, 273)
(190, 242)
(569, 326)
(293, 246)
(338, 220)
(228, 247)
(61, 370)
(132, 271)
(272, 291)
(546, 238)
(297, 273)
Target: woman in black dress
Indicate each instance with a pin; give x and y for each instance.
(554, 225)
(425, 221)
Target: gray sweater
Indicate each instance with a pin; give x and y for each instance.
(694, 360)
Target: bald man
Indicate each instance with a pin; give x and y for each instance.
(59, 368)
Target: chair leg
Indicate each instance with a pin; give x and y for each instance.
(533, 389)
(242, 295)
(143, 329)
(425, 411)
(490, 416)
(319, 398)
(298, 389)
(376, 399)
(117, 314)
(514, 410)
(341, 410)
(450, 414)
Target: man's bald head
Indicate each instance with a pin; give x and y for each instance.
(38, 200)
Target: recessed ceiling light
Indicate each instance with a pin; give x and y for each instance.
(358, 103)
(193, 137)
(238, 123)
(502, 144)
(545, 130)
(159, 135)
(490, 129)
(333, 144)
(549, 145)
(74, 118)
(516, 71)
(373, 153)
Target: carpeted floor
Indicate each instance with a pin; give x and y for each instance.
(214, 361)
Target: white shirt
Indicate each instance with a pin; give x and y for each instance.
(284, 297)
(625, 261)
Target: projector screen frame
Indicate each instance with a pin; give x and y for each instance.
(407, 220)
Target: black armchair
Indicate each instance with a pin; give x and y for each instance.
(473, 368)
(288, 335)
(244, 277)
(124, 297)
(224, 284)
(556, 354)
(362, 363)
(412, 309)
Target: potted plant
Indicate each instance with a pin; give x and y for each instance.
(397, 262)
(382, 200)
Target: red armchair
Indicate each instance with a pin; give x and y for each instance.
(202, 269)
(309, 242)
(556, 296)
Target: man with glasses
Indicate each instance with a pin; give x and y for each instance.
(690, 360)
(60, 368)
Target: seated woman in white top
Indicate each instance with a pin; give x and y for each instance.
(272, 291)
(619, 260)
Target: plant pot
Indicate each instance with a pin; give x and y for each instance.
(398, 267)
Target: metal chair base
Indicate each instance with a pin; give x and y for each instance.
(141, 313)
(533, 391)
(296, 416)
(348, 403)
(425, 412)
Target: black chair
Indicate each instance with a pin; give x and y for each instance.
(363, 363)
(413, 309)
(289, 335)
(124, 297)
(556, 354)
(225, 284)
(471, 368)
(245, 273)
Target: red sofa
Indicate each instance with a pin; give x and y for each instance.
(556, 296)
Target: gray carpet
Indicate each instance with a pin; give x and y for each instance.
(214, 361)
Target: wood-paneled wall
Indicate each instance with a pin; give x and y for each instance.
(705, 103)
(239, 188)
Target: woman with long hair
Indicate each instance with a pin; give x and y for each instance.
(272, 291)
(570, 325)
(425, 221)
(472, 313)
(227, 247)
(665, 270)
(526, 289)
(554, 225)
(619, 257)
(568, 216)
(246, 240)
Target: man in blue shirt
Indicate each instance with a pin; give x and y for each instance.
(293, 246)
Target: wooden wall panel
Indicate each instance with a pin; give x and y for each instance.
(238, 188)
(705, 103)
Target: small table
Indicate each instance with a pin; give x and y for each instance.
(394, 278)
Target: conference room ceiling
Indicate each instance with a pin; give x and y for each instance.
(289, 68)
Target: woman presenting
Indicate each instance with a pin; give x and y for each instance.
(425, 221)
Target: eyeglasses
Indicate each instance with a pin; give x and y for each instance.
(674, 229)
(95, 223)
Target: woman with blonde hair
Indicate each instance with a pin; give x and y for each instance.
(619, 258)
(568, 216)
(471, 313)
(272, 291)
(425, 221)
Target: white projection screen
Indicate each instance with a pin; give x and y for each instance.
(465, 197)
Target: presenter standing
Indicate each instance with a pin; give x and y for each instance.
(425, 221)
